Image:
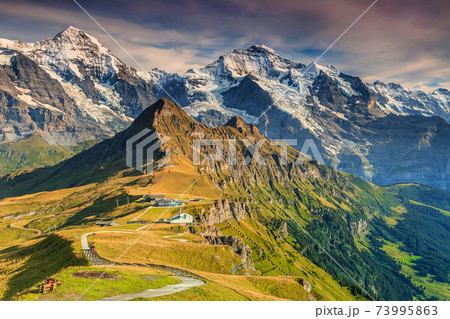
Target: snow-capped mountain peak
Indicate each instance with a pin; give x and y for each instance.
(70, 53)
(71, 31)
(314, 68)
(257, 60)
(261, 48)
(76, 39)
(96, 85)
(78, 50)
(394, 98)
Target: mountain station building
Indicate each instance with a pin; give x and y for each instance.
(183, 218)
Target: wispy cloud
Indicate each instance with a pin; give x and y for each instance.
(405, 42)
(171, 50)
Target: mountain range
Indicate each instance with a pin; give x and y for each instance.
(70, 89)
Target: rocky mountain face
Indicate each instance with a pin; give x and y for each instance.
(395, 99)
(68, 89)
(239, 247)
(381, 132)
(225, 211)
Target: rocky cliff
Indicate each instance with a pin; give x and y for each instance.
(223, 210)
(239, 247)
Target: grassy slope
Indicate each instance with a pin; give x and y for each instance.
(134, 279)
(447, 213)
(432, 288)
(10, 236)
(423, 194)
(216, 264)
(88, 203)
(80, 205)
(219, 286)
(223, 287)
(329, 204)
(34, 152)
(26, 265)
(322, 209)
(424, 255)
(207, 260)
(420, 196)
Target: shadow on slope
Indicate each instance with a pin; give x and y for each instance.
(43, 259)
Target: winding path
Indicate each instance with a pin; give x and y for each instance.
(13, 225)
(85, 244)
(186, 284)
(188, 281)
(145, 211)
(92, 254)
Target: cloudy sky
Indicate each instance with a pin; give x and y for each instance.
(402, 41)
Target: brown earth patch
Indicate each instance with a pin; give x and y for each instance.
(150, 278)
(95, 275)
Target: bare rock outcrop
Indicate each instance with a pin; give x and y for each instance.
(283, 230)
(239, 247)
(359, 228)
(305, 284)
(224, 210)
(205, 231)
(214, 237)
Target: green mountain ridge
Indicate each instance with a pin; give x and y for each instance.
(35, 152)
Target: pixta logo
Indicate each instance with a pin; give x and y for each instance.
(141, 149)
(219, 145)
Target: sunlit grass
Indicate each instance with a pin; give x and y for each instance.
(133, 279)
